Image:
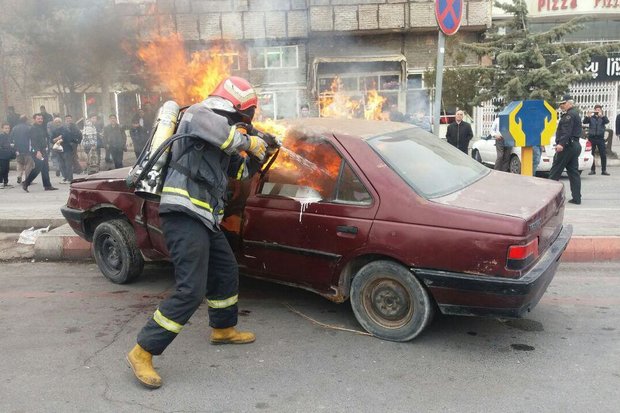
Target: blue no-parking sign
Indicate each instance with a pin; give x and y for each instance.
(449, 14)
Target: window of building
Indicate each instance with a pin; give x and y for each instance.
(315, 171)
(278, 104)
(275, 57)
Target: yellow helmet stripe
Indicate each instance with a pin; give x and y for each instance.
(166, 323)
(183, 192)
(223, 303)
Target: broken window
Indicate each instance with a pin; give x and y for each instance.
(310, 167)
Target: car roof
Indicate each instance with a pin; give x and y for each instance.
(353, 127)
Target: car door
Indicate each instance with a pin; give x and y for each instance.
(307, 216)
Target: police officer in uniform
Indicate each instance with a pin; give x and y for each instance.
(567, 148)
(191, 209)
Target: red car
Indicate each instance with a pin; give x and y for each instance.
(380, 213)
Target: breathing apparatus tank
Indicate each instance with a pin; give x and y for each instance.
(148, 183)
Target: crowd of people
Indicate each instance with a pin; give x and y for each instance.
(48, 139)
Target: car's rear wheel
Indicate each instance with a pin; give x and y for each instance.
(476, 155)
(515, 164)
(116, 251)
(390, 302)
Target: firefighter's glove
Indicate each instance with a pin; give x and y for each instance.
(271, 140)
(257, 147)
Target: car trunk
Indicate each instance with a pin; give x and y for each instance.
(540, 210)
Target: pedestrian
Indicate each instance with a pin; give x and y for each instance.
(76, 139)
(115, 141)
(304, 111)
(503, 150)
(459, 132)
(138, 136)
(20, 136)
(567, 148)
(47, 118)
(39, 143)
(90, 139)
(190, 212)
(7, 152)
(618, 125)
(596, 122)
(56, 131)
(12, 117)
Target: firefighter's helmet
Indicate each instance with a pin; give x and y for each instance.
(241, 95)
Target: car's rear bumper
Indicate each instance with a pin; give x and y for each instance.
(74, 218)
(464, 294)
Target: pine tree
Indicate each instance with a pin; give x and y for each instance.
(529, 65)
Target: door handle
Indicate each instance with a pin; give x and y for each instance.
(346, 229)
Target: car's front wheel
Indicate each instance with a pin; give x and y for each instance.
(515, 164)
(116, 251)
(390, 302)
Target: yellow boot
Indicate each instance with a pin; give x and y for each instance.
(141, 362)
(231, 336)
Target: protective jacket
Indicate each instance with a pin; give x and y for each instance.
(200, 165)
(596, 125)
(569, 127)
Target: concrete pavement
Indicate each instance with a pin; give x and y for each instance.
(596, 222)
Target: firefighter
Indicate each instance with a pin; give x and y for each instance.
(191, 208)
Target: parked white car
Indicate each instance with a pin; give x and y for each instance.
(483, 150)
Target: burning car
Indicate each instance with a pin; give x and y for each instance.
(379, 213)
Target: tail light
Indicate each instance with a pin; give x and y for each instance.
(520, 256)
(588, 146)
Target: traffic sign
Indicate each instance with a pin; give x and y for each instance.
(528, 123)
(449, 14)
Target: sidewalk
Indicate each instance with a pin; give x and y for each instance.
(596, 222)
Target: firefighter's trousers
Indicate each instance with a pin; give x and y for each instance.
(204, 265)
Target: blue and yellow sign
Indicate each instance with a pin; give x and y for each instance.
(528, 123)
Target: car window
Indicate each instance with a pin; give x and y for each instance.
(311, 168)
(430, 166)
(306, 167)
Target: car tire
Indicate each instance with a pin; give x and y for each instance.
(116, 251)
(515, 165)
(476, 155)
(389, 301)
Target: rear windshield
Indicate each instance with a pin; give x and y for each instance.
(431, 166)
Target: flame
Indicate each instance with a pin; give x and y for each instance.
(337, 104)
(188, 80)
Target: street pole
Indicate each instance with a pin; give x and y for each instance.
(441, 41)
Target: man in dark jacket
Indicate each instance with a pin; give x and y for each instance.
(138, 137)
(596, 135)
(39, 144)
(459, 132)
(68, 140)
(76, 139)
(567, 148)
(12, 117)
(191, 209)
(6, 154)
(20, 135)
(115, 141)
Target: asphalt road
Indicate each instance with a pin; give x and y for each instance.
(65, 331)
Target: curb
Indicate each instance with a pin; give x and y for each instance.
(62, 244)
(20, 224)
(592, 249)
